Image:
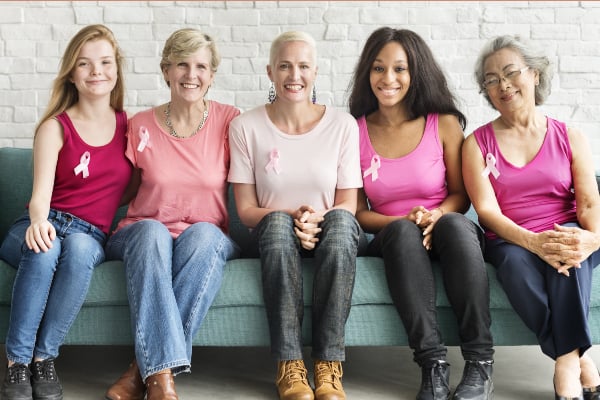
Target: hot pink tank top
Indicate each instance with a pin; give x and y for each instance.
(95, 197)
(540, 193)
(395, 186)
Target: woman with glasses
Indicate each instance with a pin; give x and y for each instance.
(532, 182)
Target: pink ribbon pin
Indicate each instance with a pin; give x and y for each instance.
(82, 167)
(273, 162)
(490, 166)
(144, 139)
(372, 170)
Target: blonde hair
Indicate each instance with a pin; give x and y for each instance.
(291, 36)
(64, 93)
(183, 43)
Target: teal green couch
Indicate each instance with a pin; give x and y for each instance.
(237, 317)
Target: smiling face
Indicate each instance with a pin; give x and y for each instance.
(516, 91)
(190, 78)
(95, 72)
(293, 71)
(390, 77)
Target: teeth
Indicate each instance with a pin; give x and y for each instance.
(189, 86)
(293, 87)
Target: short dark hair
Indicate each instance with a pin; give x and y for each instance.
(428, 92)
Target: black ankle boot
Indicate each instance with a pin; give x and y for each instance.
(476, 382)
(434, 381)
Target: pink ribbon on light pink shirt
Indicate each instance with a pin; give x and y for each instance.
(372, 170)
(273, 162)
(144, 139)
(82, 167)
(490, 166)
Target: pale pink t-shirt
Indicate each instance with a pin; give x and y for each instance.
(294, 170)
(184, 181)
(540, 193)
(395, 186)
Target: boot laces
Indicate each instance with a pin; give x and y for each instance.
(475, 372)
(329, 372)
(294, 372)
(435, 378)
(44, 370)
(18, 373)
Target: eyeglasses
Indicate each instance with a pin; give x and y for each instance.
(510, 76)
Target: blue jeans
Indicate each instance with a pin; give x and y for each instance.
(49, 287)
(457, 243)
(171, 284)
(335, 267)
(555, 307)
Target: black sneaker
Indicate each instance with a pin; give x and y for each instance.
(434, 381)
(17, 383)
(44, 382)
(476, 382)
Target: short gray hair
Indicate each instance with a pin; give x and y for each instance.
(534, 58)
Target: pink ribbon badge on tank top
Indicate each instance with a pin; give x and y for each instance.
(490, 166)
(144, 139)
(372, 170)
(82, 167)
(273, 162)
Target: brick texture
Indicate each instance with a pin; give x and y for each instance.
(33, 36)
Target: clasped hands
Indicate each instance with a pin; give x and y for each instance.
(425, 219)
(306, 226)
(565, 247)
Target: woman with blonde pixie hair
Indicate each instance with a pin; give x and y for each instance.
(174, 240)
(79, 176)
(295, 172)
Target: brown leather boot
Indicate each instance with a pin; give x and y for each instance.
(161, 386)
(328, 380)
(129, 386)
(292, 383)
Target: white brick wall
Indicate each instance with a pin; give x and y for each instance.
(33, 36)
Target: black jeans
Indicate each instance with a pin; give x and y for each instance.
(458, 244)
(335, 268)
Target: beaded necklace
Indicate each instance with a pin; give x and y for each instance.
(173, 132)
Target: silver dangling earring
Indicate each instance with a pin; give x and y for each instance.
(314, 95)
(272, 94)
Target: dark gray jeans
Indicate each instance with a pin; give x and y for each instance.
(458, 243)
(335, 267)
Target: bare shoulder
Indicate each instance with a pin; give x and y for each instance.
(49, 131)
(449, 128)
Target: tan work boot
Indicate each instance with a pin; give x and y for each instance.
(292, 383)
(129, 386)
(328, 380)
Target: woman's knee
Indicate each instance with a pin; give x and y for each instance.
(81, 249)
(147, 230)
(401, 232)
(275, 230)
(339, 230)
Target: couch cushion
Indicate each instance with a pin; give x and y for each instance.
(15, 175)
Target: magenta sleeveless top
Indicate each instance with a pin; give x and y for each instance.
(538, 194)
(395, 186)
(89, 181)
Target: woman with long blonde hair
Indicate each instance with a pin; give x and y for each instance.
(80, 174)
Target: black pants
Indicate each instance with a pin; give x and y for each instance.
(458, 243)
